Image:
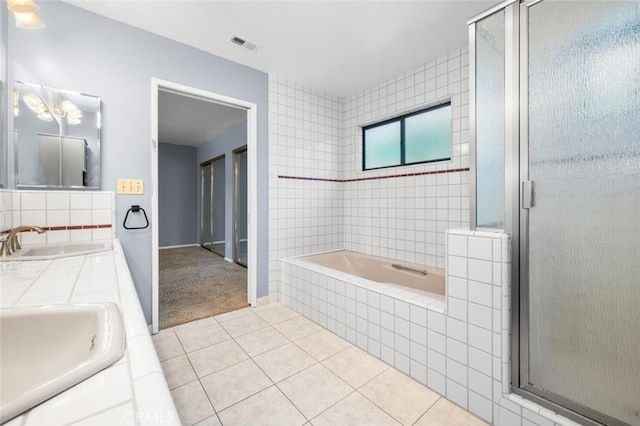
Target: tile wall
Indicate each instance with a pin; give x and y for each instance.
(460, 350)
(65, 215)
(305, 215)
(404, 217)
(319, 199)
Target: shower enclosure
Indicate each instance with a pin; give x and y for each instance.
(555, 119)
(240, 206)
(212, 205)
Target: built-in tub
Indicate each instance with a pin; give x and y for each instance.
(382, 270)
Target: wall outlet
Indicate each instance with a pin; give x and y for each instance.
(130, 186)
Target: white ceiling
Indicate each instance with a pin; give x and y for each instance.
(184, 120)
(339, 47)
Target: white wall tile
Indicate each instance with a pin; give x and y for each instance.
(480, 270)
(101, 200)
(480, 248)
(33, 201)
(80, 200)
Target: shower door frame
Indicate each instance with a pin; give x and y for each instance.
(212, 180)
(519, 228)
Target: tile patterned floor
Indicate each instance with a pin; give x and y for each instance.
(272, 366)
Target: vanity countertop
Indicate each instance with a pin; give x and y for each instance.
(133, 390)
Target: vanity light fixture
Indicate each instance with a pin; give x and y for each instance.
(25, 13)
(69, 110)
(22, 6)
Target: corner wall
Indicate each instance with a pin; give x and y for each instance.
(305, 198)
(177, 199)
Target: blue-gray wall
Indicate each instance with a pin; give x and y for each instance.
(84, 52)
(177, 194)
(235, 137)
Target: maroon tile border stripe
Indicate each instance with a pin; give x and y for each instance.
(67, 228)
(435, 172)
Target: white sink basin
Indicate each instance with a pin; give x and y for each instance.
(45, 350)
(54, 251)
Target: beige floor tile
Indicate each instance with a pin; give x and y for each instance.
(216, 357)
(233, 314)
(297, 327)
(314, 390)
(284, 361)
(400, 396)
(355, 366)
(167, 344)
(245, 324)
(322, 345)
(192, 403)
(354, 410)
(210, 421)
(201, 323)
(194, 338)
(262, 340)
(445, 413)
(178, 371)
(233, 384)
(274, 313)
(267, 408)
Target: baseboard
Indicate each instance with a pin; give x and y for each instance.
(228, 260)
(178, 246)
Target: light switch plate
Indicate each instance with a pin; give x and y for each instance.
(130, 186)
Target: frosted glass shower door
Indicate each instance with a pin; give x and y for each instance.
(582, 85)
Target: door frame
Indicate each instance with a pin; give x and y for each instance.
(236, 240)
(252, 184)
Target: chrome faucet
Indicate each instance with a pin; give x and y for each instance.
(11, 244)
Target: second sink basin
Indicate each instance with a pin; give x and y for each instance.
(45, 350)
(54, 251)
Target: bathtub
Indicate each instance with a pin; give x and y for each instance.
(417, 277)
(365, 300)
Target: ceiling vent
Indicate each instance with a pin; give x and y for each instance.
(242, 42)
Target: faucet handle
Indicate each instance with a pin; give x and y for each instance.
(4, 248)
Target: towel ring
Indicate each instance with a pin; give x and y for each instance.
(135, 209)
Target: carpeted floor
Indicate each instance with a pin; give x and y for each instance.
(195, 284)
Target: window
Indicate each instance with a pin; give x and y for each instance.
(420, 137)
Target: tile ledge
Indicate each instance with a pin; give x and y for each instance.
(548, 414)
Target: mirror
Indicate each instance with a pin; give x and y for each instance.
(56, 138)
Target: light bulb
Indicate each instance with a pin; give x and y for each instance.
(28, 21)
(22, 6)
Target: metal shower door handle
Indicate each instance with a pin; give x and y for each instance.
(527, 194)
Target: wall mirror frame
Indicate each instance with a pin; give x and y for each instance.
(56, 138)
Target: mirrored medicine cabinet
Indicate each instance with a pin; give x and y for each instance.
(56, 138)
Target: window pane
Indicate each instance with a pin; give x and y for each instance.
(428, 135)
(382, 146)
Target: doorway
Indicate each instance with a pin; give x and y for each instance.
(250, 109)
